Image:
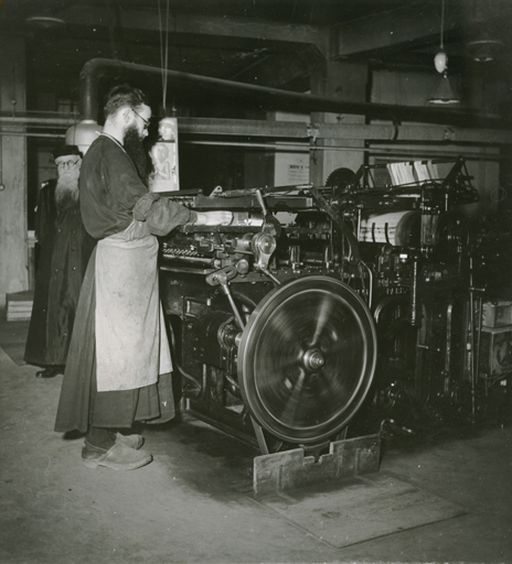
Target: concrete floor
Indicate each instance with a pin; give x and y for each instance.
(194, 502)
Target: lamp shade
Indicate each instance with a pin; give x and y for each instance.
(83, 134)
(484, 50)
(444, 95)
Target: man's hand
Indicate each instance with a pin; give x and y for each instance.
(214, 218)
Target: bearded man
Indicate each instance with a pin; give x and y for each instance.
(64, 249)
(119, 347)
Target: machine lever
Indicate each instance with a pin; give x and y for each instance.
(221, 278)
(267, 272)
(261, 202)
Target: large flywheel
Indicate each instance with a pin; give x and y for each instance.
(306, 359)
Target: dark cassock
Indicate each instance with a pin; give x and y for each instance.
(64, 249)
(119, 349)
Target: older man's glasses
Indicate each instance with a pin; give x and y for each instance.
(144, 120)
(67, 164)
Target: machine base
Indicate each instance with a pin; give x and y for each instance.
(293, 469)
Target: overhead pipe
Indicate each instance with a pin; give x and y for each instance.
(96, 70)
(24, 119)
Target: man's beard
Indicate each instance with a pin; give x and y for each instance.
(134, 146)
(66, 189)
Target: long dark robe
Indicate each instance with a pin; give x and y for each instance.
(110, 188)
(65, 248)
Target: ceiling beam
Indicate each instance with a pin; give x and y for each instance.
(412, 23)
(277, 69)
(228, 28)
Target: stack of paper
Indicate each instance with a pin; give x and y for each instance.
(401, 173)
(412, 172)
(19, 306)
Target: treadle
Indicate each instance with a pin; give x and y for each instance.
(293, 469)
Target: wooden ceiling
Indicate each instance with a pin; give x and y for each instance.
(267, 42)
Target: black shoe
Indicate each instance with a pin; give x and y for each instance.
(50, 372)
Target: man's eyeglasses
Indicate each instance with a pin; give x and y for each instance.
(145, 121)
(67, 164)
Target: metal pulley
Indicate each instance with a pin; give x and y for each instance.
(306, 359)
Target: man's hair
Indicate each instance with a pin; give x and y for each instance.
(123, 95)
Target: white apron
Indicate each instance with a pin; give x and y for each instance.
(131, 343)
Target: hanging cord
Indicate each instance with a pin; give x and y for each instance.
(164, 50)
(442, 25)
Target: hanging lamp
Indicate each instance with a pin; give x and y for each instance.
(485, 20)
(444, 93)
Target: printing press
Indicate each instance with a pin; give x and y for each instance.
(317, 302)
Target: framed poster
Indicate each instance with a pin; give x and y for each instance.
(164, 156)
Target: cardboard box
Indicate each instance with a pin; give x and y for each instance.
(497, 314)
(495, 351)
